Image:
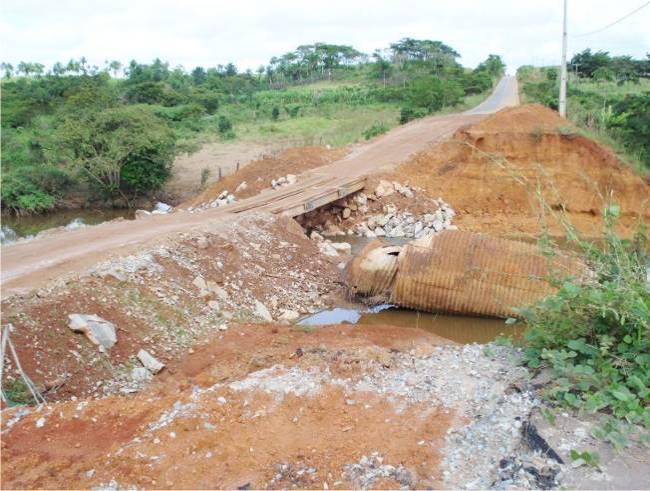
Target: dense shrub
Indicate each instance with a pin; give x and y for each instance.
(102, 145)
(633, 124)
(224, 125)
(409, 113)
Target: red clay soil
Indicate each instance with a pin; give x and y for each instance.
(235, 438)
(490, 172)
(258, 174)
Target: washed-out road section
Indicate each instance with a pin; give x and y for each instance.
(32, 264)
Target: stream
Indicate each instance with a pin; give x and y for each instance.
(458, 328)
(16, 227)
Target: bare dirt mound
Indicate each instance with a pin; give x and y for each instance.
(491, 172)
(258, 174)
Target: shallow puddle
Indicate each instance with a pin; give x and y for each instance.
(458, 328)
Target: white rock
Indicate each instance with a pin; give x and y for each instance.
(40, 422)
(162, 208)
(223, 327)
(99, 331)
(345, 214)
(417, 228)
(149, 362)
(214, 305)
(384, 188)
(242, 187)
(262, 312)
(200, 283)
(380, 232)
(218, 291)
(140, 374)
(397, 232)
(291, 179)
(361, 199)
(343, 247)
(327, 249)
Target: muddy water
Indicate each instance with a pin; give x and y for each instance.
(461, 329)
(33, 224)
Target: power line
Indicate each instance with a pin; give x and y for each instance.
(615, 22)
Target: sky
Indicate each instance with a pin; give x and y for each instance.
(249, 32)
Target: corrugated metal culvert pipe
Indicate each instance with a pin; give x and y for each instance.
(458, 272)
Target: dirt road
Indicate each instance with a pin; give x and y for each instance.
(31, 264)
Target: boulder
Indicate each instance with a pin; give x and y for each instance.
(291, 179)
(149, 362)
(99, 331)
(262, 312)
(242, 187)
(346, 213)
(380, 232)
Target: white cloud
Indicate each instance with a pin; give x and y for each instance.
(248, 32)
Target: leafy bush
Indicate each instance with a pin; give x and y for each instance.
(124, 139)
(224, 125)
(275, 113)
(409, 114)
(595, 337)
(33, 189)
(633, 124)
(22, 195)
(376, 129)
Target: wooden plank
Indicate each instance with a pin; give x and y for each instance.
(321, 199)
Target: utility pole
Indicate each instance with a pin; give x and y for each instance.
(563, 74)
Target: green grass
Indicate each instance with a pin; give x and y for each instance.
(334, 124)
(610, 89)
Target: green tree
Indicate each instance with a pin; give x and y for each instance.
(103, 145)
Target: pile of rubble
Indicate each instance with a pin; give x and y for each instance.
(287, 180)
(354, 215)
(225, 198)
(397, 225)
(164, 298)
